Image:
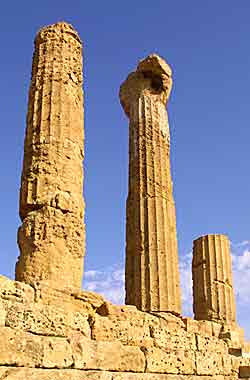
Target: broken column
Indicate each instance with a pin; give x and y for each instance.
(52, 235)
(212, 280)
(152, 274)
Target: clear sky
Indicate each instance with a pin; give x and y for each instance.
(207, 45)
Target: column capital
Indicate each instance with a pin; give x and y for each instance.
(153, 77)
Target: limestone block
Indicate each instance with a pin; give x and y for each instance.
(170, 362)
(20, 349)
(8, 373)
(167, 320)
(130, 331)
(2, 313)
(191, 325)
(176, 340)
(206, 328)
(227, 364)
(133, 327)
(15, 291)
(109, 309)
(109, 356)
(232, 335)
(216, 329)
(47, 295)
(209, 363)
(211, 344)
(52, 374)
(57, 353)
(46, 319)
(238, 362)
(94, 299)
(152, 376)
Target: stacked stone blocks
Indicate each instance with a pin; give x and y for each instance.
(50, 329)
(152, 273)
(82, 336)
(52, 235)
(212, 280)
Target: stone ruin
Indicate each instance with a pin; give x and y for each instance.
(50, 328)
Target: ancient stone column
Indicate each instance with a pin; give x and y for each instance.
(212, 279)
(152, 275)
(52, 235)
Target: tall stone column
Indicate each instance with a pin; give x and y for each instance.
(212, 279)
(152, 275)
(52, 235)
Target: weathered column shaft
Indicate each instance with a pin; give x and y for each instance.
(152, 275)
(52, 235)
(212, 279)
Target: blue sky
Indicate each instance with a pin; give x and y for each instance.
(207, 45)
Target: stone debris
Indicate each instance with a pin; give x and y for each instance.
(152, 273)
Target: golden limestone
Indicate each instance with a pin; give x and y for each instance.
(152, 274)
(52, 330)
(212, 280)
(52, 235)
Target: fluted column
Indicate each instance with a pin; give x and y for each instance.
(152, 274)
(212, 279)
(52, 235)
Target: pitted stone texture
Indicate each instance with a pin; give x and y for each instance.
(15, 291)
(46, 319)
(91, 298)
(18, 348)
(110, 356)
(211, 344)
(233, 336)
(130, 329)
(64, 333)
(212, 279)
(152, 274)
(136, 328)
(172, 362)
(52, 236)
(51, 242)
(208, 363)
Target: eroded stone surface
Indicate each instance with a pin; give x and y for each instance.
(152, 274)
(38, 374)
(119, 343)
(54, 331)
(212, 279)
(52, 235)
(49, 320)
(109, 356)
(15, 291)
